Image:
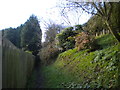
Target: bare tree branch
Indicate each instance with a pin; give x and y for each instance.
(105, 9)
(110, 11)
(95, 6)
(101, 8)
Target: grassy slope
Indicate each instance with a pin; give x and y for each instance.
(74, 69)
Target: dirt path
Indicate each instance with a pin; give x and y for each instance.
(36, 80)
(39, 81)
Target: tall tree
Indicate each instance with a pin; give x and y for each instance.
(95, 25)
(31, 35)
(102, 9)
(51, 31)
(13, 34)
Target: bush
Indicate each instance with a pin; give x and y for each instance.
(85, 41)
(49, 53)
(78, 28)
(66, 38)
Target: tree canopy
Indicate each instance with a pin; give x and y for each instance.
(13, 34)
(31, 35)
(103, 9)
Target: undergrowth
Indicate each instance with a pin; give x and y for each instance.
(83, 69)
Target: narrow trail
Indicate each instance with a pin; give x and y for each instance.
(37, 79)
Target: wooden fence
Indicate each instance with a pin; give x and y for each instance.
(17, 66)
(102, 32)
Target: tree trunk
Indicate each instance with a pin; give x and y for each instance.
(114, 32)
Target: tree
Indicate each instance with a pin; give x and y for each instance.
(95, 25)
(69, 15)
(51, 32)
(102, 9)
(31, 35)
(13, 34)
(115, 20)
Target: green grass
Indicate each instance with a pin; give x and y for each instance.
(83, 69)
(106, 41)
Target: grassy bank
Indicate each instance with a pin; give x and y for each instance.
(83, 69)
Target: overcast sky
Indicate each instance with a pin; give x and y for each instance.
(16, 12)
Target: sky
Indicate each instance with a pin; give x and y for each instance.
(16, 12)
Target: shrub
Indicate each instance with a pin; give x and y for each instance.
(49, 53)
(85, 41)
(66, 38)
(78, 28)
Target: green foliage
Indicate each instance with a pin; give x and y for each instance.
(115, 20)
(32, 80)
(83, 69)
(13, 34)
(31, 35)
(27, 36)
(95, 25)
(69, 28)
(66, 38)
(105, 41)
(106, 21)
(78, 28)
